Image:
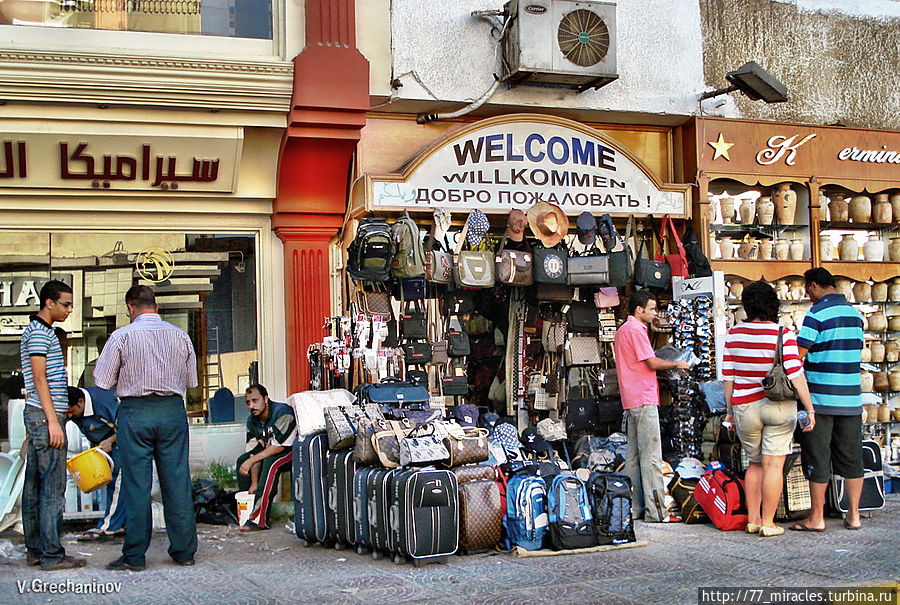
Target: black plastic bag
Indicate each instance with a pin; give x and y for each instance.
(212, 504)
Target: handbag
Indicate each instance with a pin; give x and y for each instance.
(776, 383)
(386, 440)
(417, 353)
(583, 317)
(469, 446)
(414, 323)
(364, 448)
(421, 447)
(341, 423)
(608, 379)
(620, 260)
(555, 293)
(514, 267)
(678, 261)
(651, 273)
(583, 351)
(698, 264)
(553, 335)
(411, 288)
(439, 352)
(455, 383)
(471, 268)
(550, 264)
(458, 342)
(438, 264)
(459, 302)
(605, 298)
(590, 268)
(374, 303)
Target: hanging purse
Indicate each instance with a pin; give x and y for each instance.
(514, 267)
(621, 263)
(541, 397)
(583, 317)
(414, 323)
(386, 440)
(698, 264)
(438, 264)
(458, 341)
(416, 353)
(467, 447)
(583, 351)
(776, 383)
(460, 302)
(553, 335)
(605, 298)
(455, 382)
(591, 268)
(609, 380)
(550, 264)
(651, 273)
(677, 261)
(411, 288)
(440, 349)
(374, 303)
(471, 268)
(555, 293)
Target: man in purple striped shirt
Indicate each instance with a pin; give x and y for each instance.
(151, 364)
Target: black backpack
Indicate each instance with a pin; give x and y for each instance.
(698, 264)
(611, 507)
(370, 253)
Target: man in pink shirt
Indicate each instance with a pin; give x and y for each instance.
(636, 368)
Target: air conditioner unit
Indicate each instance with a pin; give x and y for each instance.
(560, 43)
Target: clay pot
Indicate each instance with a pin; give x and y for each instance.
(884, 412)
(894, 290)
(765, 249)
(873, 250)
(838, 208)
(894, 381)
(765, 210)
(826, 248)
(894, 250)
(737, 289)
(727, 207)
(860, 209)
(782, 249)
(865, 355)
(726, 247)
(798, 317)
(848, 248)
(796, 249)
(895, 206)
(882, 213)
(866, 381)
(880, 382)
(870, 412)
(746, 211)
(844, 286)
(878, 351)
(865, 323)
(862, 292)
(880, 292)
(892, 350)
(785, 200)
(894, 323)
(823, 206)
(877, 322)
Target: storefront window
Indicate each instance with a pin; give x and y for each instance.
(204, 284)
(231, 18)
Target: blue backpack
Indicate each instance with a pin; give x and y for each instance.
(526, 512)
(569, 513)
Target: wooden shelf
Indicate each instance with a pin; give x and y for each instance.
(754, 270)
(862, 270)
(836, 226)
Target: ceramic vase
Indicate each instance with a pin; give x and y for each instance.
(862, 292)
(746, 211)
(882, 213)
(866, 381)
(781, 289)
(877, 322)
(878, 350)
(880, 292)
(880, 382)
(798, 316)
(796, 291)
(844, 286)
(892, 351)
(823, 206)
(894, 290)
(726, 247)
(727, 210)
(894, 381)
(894, 323)
(782, 249)
(895, 206)
(865, 356)
(713, 246)
(838, 208)
(894, 250)
(765, 249)
(765, 210)
(796, 249)
(848, 249)
(826, 248)
(884, 412)
(860, 209)
(785, 200)
(873, 250)
(711, 208)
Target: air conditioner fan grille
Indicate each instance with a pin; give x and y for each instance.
(583, 37)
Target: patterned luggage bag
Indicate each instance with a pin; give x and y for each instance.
(480, 507)
(795, 502)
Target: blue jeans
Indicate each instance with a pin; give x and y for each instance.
(44, 493)
(155, 428)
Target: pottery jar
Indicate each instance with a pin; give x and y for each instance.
(823, 206)
(880, 382)
(884, 412)
(894, 250)
(711, 208)
(781, 289)
(826, 248)
(844, 286)
(892, 351)
(797, 288)
(838, 208)
(873, 250)
(737, 288)
(894, 323)
(866, 381)
(796, 249)
(862, 292)
(860, 209)
(895, 206)
(878, 351)
(765, 210)
(870, 412)
(894, 381)
(743, 249)
(865, 356)
(880, 292)
(782, 249)
(765, 249)
(785, 200)
(727, 209)
(848, 249)
(726, 247)
(877, 322)
(894, 290)
(882, 213)
(746, 211)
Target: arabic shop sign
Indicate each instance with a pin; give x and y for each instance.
(141, 161)
(515, 161)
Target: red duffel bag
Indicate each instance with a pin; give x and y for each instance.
(721, 495)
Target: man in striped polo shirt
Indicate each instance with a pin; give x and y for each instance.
(830, 342)
(47, 400)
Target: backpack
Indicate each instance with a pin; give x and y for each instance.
(597, 454)
(611, 507)
(409, 254)
(569, 513)
(721, 495)
(525, 520)
(371, 252)
(698, 264)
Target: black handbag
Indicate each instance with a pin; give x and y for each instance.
(583, 317)
(458, 341)
(619, 259)
(590, 268)
(550, 264)
(417, 352)
(412, 288)
(651, 273)
(414, 323)
(698, 264)
(455, 381)
(459, 302)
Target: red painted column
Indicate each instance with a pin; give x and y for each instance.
(328, 109)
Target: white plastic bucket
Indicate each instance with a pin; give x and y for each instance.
(244, 506)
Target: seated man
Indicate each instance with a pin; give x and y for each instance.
(94, 411)
(271, 430)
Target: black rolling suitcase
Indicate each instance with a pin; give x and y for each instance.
(341, 469)
(872, 497)
(310, 504)
(424, 515)
(378, 491)
(361, 508)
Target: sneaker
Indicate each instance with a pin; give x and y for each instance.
(120, 565)
(65, 563)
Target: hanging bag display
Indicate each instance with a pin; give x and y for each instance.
(605, 298)
(375, 303)
(698, 264)
(550, 264)
(438, 263)
(583, 318)
(553, 335)
(514, 267)
(651, 273)
(620, 260)
(583, 351)
(458, 340)
(776, 383)
(590, 268)
(414, 323)
(677, 260)
(471, 268)
(417, 353)
(455, 382)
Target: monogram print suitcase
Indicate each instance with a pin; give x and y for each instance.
(480, 509)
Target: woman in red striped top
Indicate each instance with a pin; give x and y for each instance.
(764, 427)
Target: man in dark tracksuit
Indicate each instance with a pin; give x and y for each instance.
(94, 411)
(271, 430)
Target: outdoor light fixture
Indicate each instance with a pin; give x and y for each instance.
(753, 81)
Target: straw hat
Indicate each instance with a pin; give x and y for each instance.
(548, 223)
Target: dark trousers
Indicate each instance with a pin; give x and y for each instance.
(44, 492)
(269, 473)
(152, 429)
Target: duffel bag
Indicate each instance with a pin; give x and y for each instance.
(721, 495)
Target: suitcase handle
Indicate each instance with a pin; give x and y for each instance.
(372, 516)
(332, 497)
(395, 517)
(298, 489)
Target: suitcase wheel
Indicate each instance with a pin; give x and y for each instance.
(339, 546)
(399, 560)
(418, 562)
(305, 543)
(377, 555)
(361, 550)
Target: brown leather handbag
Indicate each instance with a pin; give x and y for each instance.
(386, 440)
(480, 508)
(468, 446)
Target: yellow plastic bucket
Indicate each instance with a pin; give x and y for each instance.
(91, 469)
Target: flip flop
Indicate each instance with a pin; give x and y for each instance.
(801, 527)
(853, 527)
(94, 536)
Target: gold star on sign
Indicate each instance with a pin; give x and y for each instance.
(721, 148)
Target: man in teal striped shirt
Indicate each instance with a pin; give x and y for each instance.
(830, 342)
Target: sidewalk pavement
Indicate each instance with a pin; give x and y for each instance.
(272, 567)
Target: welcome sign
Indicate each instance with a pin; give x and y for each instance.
(516, 161)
